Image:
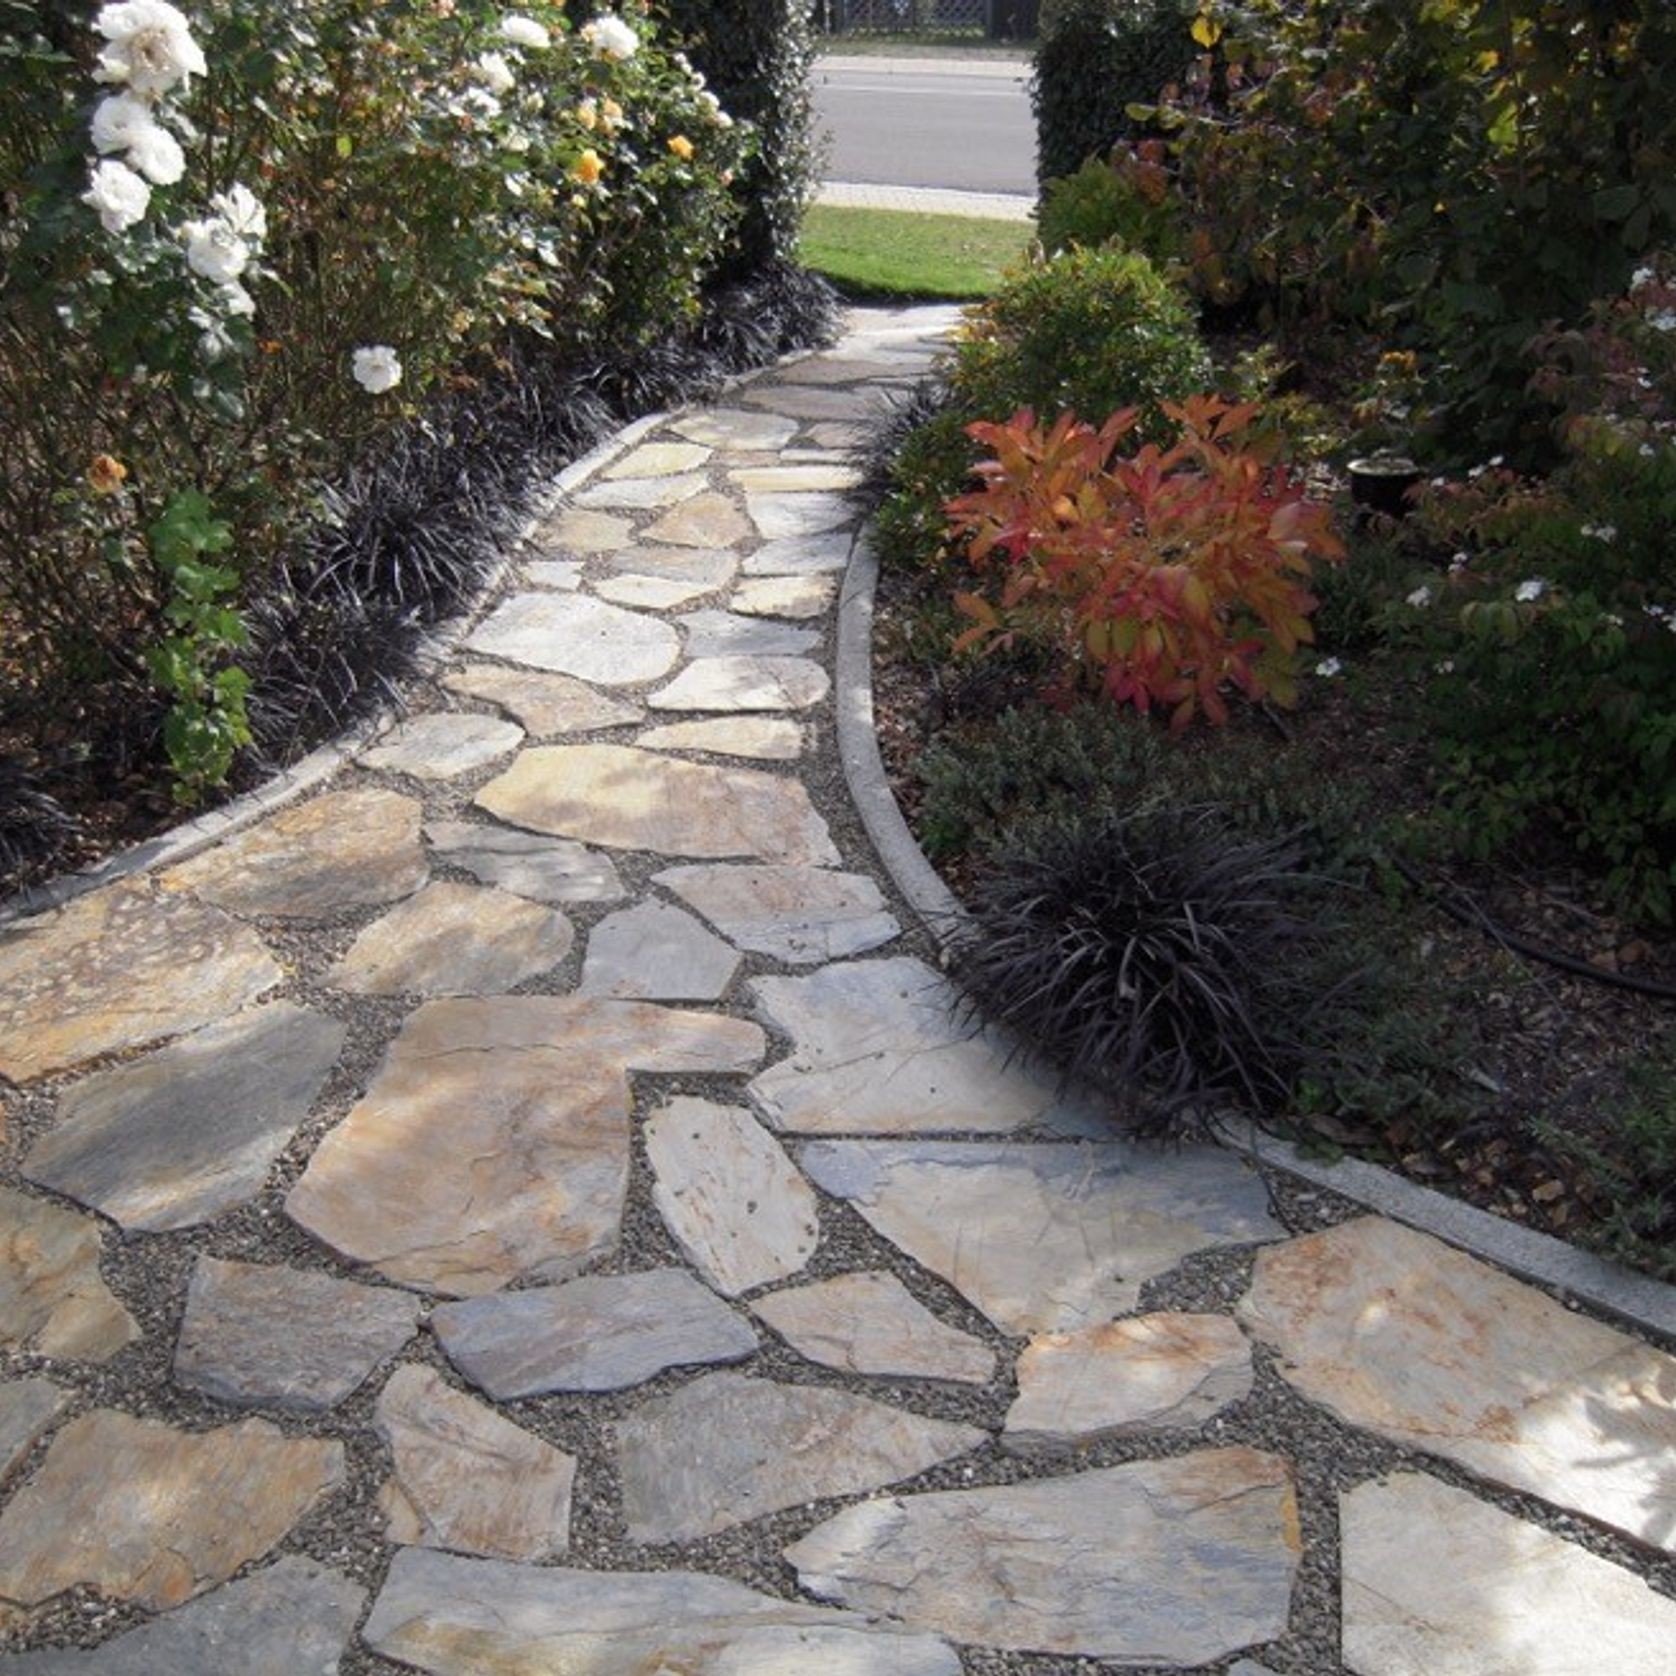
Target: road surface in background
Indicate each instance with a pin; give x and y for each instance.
(927, 122)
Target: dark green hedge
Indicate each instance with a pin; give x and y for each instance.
(757, 56)
(1096, 57)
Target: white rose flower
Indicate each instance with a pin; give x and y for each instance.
(1663, 321)
(376, 369)
(151, 47)
(1420, 598)
(157, 155)
(524, 31)
(119, 195)
(610, 37)
(238, 301)
(1530, 590)
(242, 210)
(214, 250)
(1329, 667)
(495, 73)
(119, 120)
(1641, 276)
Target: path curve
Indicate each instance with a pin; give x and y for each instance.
(527, 1207)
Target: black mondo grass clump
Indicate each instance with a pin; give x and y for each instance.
(1160, 956)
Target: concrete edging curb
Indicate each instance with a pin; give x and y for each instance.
(1636, 1299)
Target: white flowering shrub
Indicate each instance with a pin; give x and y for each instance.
(247, 236)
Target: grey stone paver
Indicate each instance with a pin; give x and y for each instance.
(842, 1196)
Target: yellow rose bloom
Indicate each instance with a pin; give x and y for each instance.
(106, 474)
(682, 147)
(587, 168)
(611, 113)
(587, 113)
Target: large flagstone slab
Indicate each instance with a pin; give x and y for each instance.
(802, 915)
(735, 428)
(28, 1408)
(745, 683)
(347, 849)
(637, 800)
(649, 593)
(658, 459)
(575, 634)
(794, 479)
(763, 738)
(872, 1324)
(454, 939)
(190, 1131)
(1399, 1333)
(443, 744)
(493, 1143)
(728, 1448)
(637, 494)
(785, 596)
(708, 520)
(689, 565)
(554, 573)
(526, 863)
(732, 1200)
(652, 951)
(1437, 1581)
(718, 634)
(255, 1335)
(577, 530)
(466, 1479)
(117, 968)
(1170, 1562)
(797, 402)
(787, 517)
(52, 1299)
(877, 1049)
(544, 704)
(599, 1333)
(811, 555)
(460, 1617)
(145, 1513)
(292, 1619)
(1123, 1377)
(1045, 1236)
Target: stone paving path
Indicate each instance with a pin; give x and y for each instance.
(527, 1209)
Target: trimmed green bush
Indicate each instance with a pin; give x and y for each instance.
(1095, 58)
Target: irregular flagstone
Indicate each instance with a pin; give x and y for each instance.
(117, 968)
(846, 369)
(347, 849)
(1436, 1580)
(1045, 1236)
(745, 683)
(783, 517)
(794, 479)
(879, 1050)
(715, 634)
(466, 1479)
(454, 939)
(708, 520)
(600, 1333)
(767, 738)
(732, 1200)
(802, 915)
(192, 1130)
(52, 1299)
(637, 800)
(654, 952)
(872, 1324)
(494, 1141)
(1399, 1333)
(1124, 1377)
(28, 1408)
(651, 593)
(144, 1513)
(461, 1617)
(796, 403)
(735, 428)
(443, 744)
(525, 863)
(676, 564)
(1157, 1563)
(784, 596)
(639, 493)
(846, 437)
(554, 573)
(658, 459)
(728, 1448)
(575, 634)
(577, 530)
(293, 1619)
(258, 1336)
(545, 704)
(815, 555)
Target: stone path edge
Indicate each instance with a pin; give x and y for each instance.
(1636, 1299)
(191, 837)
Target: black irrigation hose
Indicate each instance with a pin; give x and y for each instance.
(1478, 920)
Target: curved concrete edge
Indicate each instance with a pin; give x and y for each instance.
(1635, 1299)
(192, 837)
